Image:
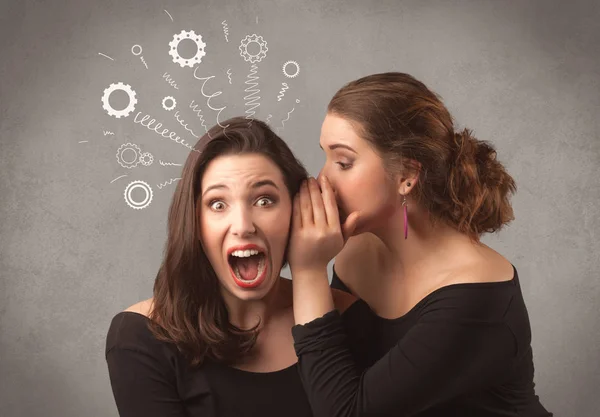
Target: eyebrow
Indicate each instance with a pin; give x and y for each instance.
(339, 145)
(255, 185)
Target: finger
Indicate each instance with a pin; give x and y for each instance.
(350, 225)
(316, 199)
(296, 213)
(305, 205)
(329, 202)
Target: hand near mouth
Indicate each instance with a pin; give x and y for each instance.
(317, 235)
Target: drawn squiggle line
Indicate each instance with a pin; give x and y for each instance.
(225, 29)
(118, 178)
(288, 118)
(217, 94)
(252, 98)
(169, 15)
(106, 56)
(197, 110)
(181, 122)
(229, 75)
(144, 62)
(269, 118)
(168, 163)
(164, 184)
(165, 133)
(108, 132)
(282, 92)
(170, 81)
(83, 141)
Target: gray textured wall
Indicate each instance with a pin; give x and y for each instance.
(522, 74)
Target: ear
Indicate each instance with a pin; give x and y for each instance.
(409, 177)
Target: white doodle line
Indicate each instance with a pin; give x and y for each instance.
(83, 141)
(218, 93)
(118, 178)
(288, 118)
(225, 30)
(107, 132)
(197, 110)
(169, 164)
(164, 184)
(181, 122)
(284, 88)
(269, 118)
(252, 98)
(229, 74)
(99, 53)
(170, 81)
(170, 135)
(169, 15)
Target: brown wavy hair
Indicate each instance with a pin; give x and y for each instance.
(460, 180)
(188, 308)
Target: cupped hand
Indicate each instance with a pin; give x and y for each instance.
(317, 235)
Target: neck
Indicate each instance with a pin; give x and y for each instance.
(245, 314)
(428, 250)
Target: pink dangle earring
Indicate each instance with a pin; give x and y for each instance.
(405, 205)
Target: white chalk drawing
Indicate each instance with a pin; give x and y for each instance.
(198, 110)
(146, 159)
(269, 118)
(128, 155)
(169, 163)
(229, 75)
(165, 133)
(164, 184)
(170, 81)
(170, 106)
(225, 30)
(182, 123)
(217, 94)
(196, 59)
(297, 101)
(169, 15)
(133, 51)
(127, 110)
(284, 88)
(83, 141)
(108, 132)
(286, 70)
(252, 99)
(138, 205)
(285, 120)
(105, 56)
(118, 178)
(262, 45)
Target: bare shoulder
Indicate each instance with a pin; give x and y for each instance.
(492, 267)
(342, 300)
(143, 307)
(359, 256)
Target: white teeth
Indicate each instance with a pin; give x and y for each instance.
(244, 253)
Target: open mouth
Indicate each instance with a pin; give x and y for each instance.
(248, 266)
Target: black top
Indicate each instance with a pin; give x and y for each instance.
(151, 378)
(464, 350)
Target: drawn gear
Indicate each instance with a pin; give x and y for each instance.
(135, 204)
(178, 59)
(129, 163)
(261, 43)
(295, 74)
(127, 110)
(164, 103)
(146, 159)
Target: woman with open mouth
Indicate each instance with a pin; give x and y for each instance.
(215, 338)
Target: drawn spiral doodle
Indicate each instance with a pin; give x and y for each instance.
(130, 106)
(178, 59)
(262, 44)
(129, 162)
(138, 205)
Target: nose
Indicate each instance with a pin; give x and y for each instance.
(242, 224)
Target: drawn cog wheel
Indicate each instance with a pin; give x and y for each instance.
(129, 162)
(262, 45)
(173, 103)
(178, 59)
(138, 205)
(146, 159)
(291, 63)
(127, 110)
